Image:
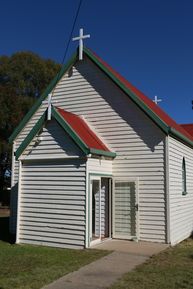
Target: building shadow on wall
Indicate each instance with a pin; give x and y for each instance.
(4, 231)
(125, 108)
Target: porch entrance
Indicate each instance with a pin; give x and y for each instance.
(100, 209)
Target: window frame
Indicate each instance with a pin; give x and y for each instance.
(184, 179)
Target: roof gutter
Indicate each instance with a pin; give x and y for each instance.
(103, 153)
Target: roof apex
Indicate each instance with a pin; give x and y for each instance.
(153, 111)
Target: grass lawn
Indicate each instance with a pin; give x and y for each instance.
(172, 269)
(30, 267)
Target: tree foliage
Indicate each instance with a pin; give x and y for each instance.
(12, 109)
(23, 77)
(27, 73)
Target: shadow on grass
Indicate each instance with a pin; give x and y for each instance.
(4, 231)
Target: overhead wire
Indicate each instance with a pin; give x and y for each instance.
(69, 40)
(73, 26)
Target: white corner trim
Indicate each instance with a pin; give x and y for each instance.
(13, 166)
(18, 203)
(167, 178)
(87, 208)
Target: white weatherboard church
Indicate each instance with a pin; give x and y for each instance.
(96, 159)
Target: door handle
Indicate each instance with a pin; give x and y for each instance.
(136, 207)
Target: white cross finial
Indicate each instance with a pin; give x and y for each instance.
(157, 100)
(49, 112)
(80, 38)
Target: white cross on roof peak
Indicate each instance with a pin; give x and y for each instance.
(157, 100)
(80, 38)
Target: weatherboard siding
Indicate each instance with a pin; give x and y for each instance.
(52, 196)
(25, 131)
(181, 212)
(21, 136)
(99, 166)
(53, 142)
(52, 203)
(125, 129)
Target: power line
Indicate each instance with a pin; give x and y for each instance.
(70, 36)
(69, 39)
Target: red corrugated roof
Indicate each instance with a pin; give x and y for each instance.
(82, 129)
(148, 102)
(188, 127)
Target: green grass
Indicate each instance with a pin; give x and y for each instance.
(32, 267)
(171, 269)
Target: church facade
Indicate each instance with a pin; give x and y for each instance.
(107, 163)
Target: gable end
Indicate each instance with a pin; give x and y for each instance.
(70, 131)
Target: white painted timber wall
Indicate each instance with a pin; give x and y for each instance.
(52, 191)
(52, 203)
(181, 206)
(99, 166)
(138, 142)
(15, 172)
(53, 143)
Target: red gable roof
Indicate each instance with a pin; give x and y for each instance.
(82, 129)
(148, 102)
(188, 127)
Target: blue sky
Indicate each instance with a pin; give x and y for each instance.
(150, 42)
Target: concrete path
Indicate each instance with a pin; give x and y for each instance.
(104, 272)
(137, 248)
